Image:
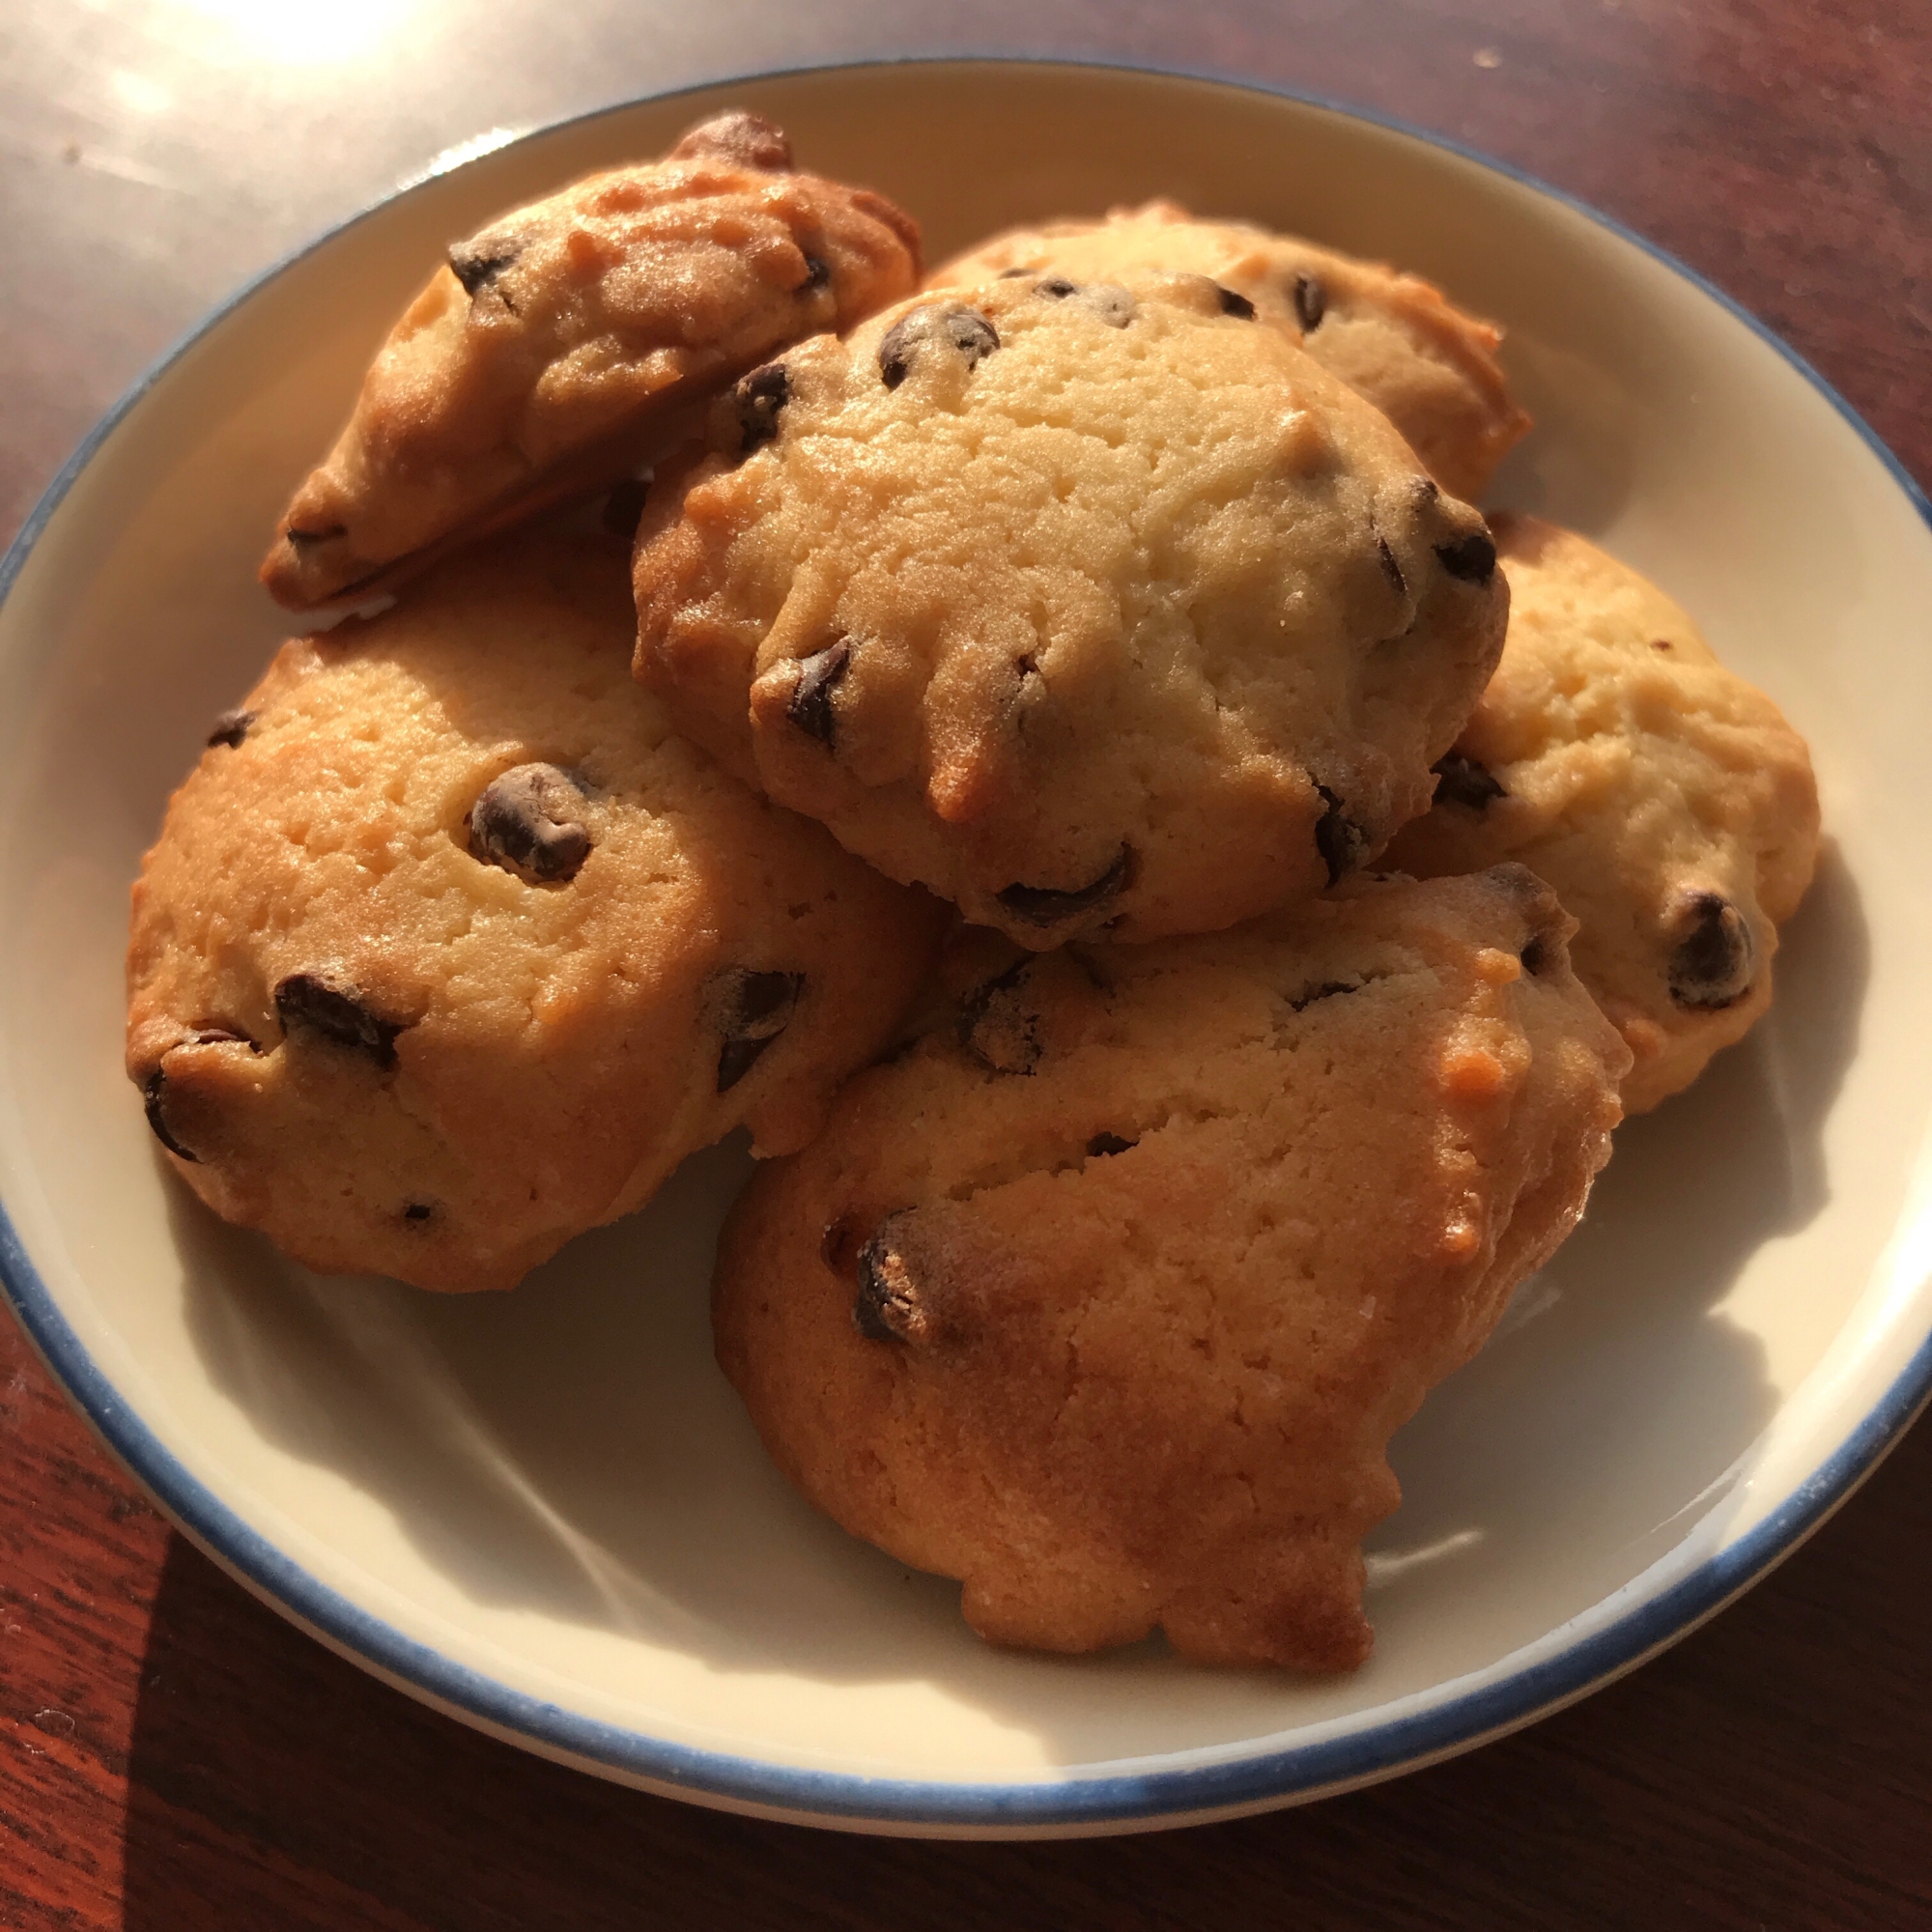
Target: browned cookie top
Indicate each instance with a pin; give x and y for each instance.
(553, 350)
(1107, 1295)
(1090, 606)
(450, 948)
(1427, 365)
(1664, 798)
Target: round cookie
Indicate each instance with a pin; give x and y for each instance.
(1427, 365)
(1090, 606)
(451, 949)
(1667, 801)
(555, 352)
(1107, 1297)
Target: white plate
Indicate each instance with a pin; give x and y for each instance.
(546, 1512)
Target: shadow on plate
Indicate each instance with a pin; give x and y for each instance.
(1631, 1399)
(571, 1449)
(269, 1784)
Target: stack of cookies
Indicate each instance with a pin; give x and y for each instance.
(1052, 752)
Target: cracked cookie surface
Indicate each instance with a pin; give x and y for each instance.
(553, 351)
(1662, 796)
(1091, 607)
(1108, 1293)
(450, 948)
(1427, 365)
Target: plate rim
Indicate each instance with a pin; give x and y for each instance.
(1048, 1805)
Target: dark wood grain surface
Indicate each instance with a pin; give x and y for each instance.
(174, 1756)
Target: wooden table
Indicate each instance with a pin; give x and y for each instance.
(174, 1756)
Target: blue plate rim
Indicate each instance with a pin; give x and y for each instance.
(1117, 1801)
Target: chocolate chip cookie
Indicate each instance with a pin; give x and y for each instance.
(1107, 1294)
(450, 948)
(1427, 365)
(553, 351)
(1665, 799)
(1091, 606)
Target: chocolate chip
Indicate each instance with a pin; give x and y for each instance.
(1233, 303)
(1341, 841)
(325, 1004)
(817, 275)
(1310, 301)
(810, 706)
(997, 1027)
(1462, 780)
(477, 262)
(327, 534)
(765, 1001)
(1714, 959)
(625, 506)
(1109, 301)
(973, 335)
(1535, 956)
(759, 398)
(230, 727)
(736, 1059)
(755, 1008)
(1391, 568)
(530, 822)
(1115, 305)
(1048, 905)
(1328, 990)
(1425, 490)
(1513, 878)
(1471, 559)
(417, 1210)
(737, 135)
(1106, 1144)
(153, 1091)
(889, 1306)
(964, 329)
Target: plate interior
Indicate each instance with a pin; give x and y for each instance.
(556, 1487)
